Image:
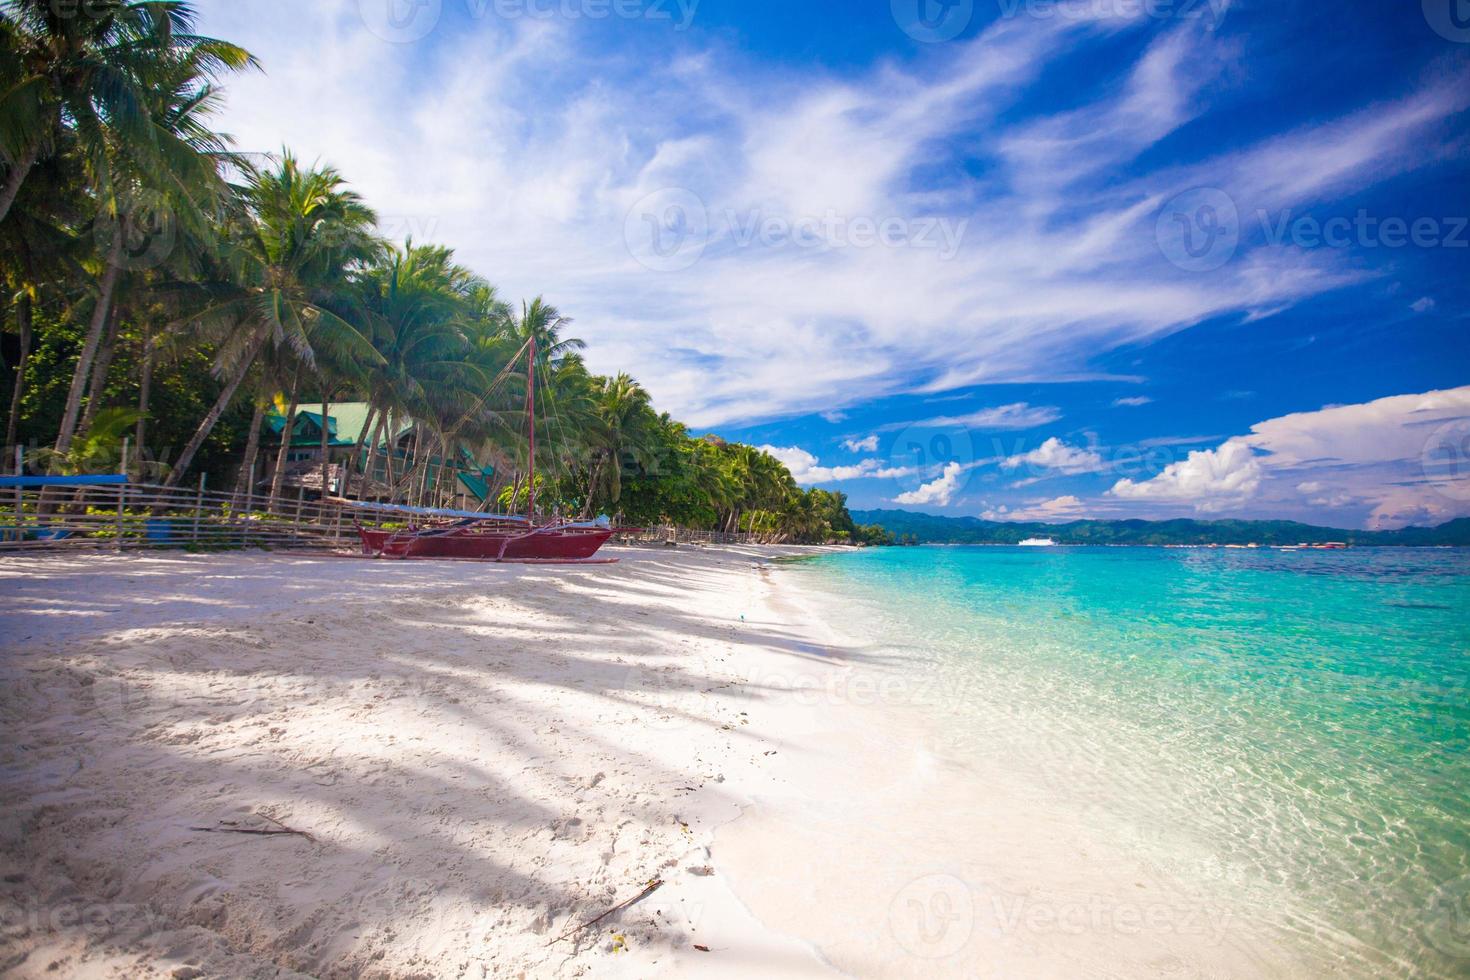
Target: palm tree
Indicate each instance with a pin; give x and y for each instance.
(625, 423)
(420, 304)
(100, 450)
(280, 280)
(23, 306)
(151, 184)
(38, 260)
(544, 322)
(90, 70)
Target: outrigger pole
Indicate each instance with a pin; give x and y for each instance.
(531, 406)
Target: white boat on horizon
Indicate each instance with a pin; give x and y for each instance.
(1038, 543)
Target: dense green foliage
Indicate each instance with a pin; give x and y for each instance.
(160, 289)
(931, 529)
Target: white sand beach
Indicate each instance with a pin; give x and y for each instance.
(486, 757)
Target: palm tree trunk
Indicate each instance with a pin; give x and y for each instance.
(451, 463)
(423, 477)
(206, 426)
(389, 448)
(101, 366)
(326, 439)
(370, 466)
(411, 475)
(367, 426)
(17, 177)
(23, 317)
(285, 449)
(89, 347)
(243, 482)
(592, 487)
(145, 392)
(433, 477)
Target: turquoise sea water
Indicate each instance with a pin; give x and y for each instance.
(1292, 728)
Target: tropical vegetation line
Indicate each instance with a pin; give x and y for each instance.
(908, 527)
(162, 289)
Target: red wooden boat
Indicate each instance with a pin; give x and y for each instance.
(490, 537)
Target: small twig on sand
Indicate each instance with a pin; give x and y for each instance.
(648, 889)
(290, 830)
(284, 831)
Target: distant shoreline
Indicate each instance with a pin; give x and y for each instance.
(1187, 547)
(911, 527)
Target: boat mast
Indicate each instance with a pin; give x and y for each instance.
(531, 409)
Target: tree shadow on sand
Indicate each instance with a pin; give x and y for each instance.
(411, 840)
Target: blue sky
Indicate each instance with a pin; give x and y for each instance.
(1017, 258)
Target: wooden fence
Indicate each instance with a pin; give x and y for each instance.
(142, 516)
(130, 516)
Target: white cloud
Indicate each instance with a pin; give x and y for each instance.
(938, 492)
(865, 445)
(1423, 305)
(1058, 509)
(1016, 416)
(1136, 401)
(1210, 479)
(807, 470)
(1334, 500)
(1053, 454)
(525, 146)
(834, 417)
(1386, 430)
(1401, 457)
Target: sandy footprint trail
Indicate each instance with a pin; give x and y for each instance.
(483, 758)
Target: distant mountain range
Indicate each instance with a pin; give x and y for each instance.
(932, 529)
